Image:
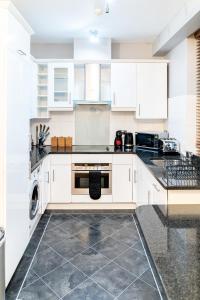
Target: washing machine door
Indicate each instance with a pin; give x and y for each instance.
(34, 200)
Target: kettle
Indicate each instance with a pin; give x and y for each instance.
(128, 141)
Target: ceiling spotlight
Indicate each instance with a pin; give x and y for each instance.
(94, 37)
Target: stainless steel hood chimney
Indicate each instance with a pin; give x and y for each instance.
(91, 55)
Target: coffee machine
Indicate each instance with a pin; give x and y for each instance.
(123, 141)
(119, 139)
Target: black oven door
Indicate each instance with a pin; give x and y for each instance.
(80, 183)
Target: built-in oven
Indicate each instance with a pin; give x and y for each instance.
(80, 177)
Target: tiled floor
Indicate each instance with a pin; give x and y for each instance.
(90, 257)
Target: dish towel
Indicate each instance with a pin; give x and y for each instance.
(95, 185)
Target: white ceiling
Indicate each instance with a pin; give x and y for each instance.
(59, 21)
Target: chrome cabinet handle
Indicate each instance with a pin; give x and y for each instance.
(70, 98)
(156, 188)
(114, 102)
(139, 109)
(129, 174)
(53, 176)
(20, 52)
(135, 178)
(48, 177)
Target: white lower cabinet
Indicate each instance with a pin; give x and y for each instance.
(122, 182)
(149, 190)
(45, 183)
(60, 183)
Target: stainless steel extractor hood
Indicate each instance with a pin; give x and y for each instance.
(92, 81)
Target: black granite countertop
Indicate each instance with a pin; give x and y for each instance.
(173, 240)
(146, 156)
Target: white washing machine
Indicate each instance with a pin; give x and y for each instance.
(35, 200)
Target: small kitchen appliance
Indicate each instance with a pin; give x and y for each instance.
(149, 140)
(119, 139)
(128, 141)
(169, 146)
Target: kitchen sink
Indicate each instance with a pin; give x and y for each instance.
(162, 163)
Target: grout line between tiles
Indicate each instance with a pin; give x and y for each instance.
(32, 259)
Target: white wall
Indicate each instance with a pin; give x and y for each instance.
(119, 50)
(62, 51)
(131, 50)
(63, 124)
(182, 94)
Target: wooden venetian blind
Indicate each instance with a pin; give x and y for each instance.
(197, 36)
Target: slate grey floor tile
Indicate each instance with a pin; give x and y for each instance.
(42, 246)
(148, 277)
(45, 261)
(88, 290)
(127, 235)
(89, 261)
(123, 219)
(72, 227)
(18, 277)
(30, 278)
(110, 247)
(91, 236)
(37, 291)
(54, 236)
(108, 226)
(91, 218)
(64, 279)
(69, 248)
(57, 219)
(139, 291)
(133, 261)
(113, 278)
(138, 246)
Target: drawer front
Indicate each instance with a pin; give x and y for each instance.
(61, 159)
(122, 159)
(91, 158)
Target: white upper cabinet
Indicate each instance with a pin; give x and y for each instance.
(151, 91)
(123, 86)
(61, 84)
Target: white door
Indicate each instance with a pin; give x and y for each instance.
(61, 82)
(17, 160)
(60, 184)
(151, 91)
(45, 184)
(123, 86)
(122, 184)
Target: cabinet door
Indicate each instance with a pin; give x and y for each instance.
(159, 193)
(144, 184)
(45, 183)
(61, 81)
(60, 183)
(17, 159)
(151, 91)
(123, 86)
(122, 183)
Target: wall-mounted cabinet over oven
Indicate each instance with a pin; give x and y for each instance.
(80, 177)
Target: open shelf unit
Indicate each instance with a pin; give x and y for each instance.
(42, 88)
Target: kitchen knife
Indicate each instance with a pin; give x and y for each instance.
(44, 126)
(47, 130)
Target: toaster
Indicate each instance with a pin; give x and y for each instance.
(169, 146)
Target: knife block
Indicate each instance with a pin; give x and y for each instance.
(61, 142)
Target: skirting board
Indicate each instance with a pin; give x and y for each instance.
(88, 206)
